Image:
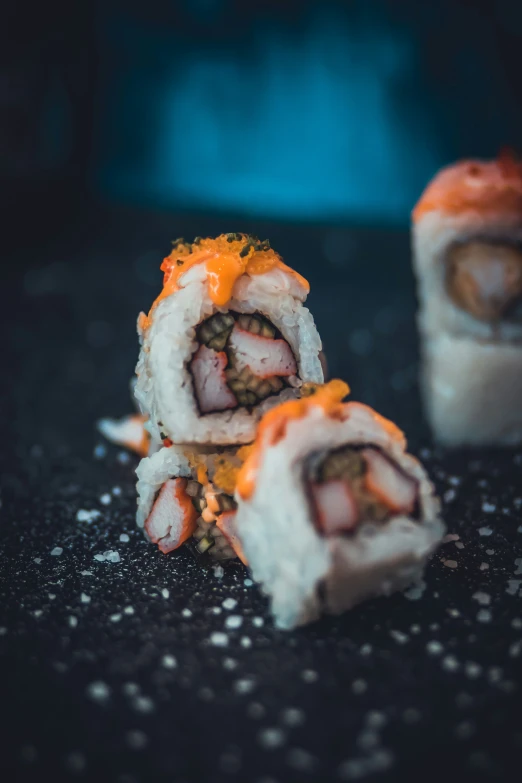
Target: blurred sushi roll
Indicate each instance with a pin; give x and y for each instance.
(227, 338)
(187, 496)
(467, 249)
(331, 508)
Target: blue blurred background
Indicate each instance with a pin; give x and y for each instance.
(308, 110)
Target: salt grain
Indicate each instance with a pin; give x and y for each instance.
(309, 676)
(255, 710)
(366, 649)
(37, 560)
(233, 621)
(229, 603)
(219, 639)
(483, 598)
(484, 566)
(459, 544)
(112, 556)
(230, 664)
(376, 719)
(516, 623)
(99, 451)
(450, 663)
(244, 686)
(246, 642)
(123, 458)
(83, 515)
(186, 613)
(137, 740)
(219, 572)
(143, 704)
(73, 621)
(116, 491)
(51, 596)
(85, 599)
(86, 573)
(292, 717)
(129, 610)
(472, 670)
(99, 558)
(165, 592)
(489, 508)
(56, 551)
(399, 637)
(116, 617)
(271, 738)
(450, 563)
(513, 586)
(434, 648)
(359, 686)
(105, 499)
(258, 622)
(485, 531)
(124, 538)
(169, 662)
(484, 616)
(37, 613)
(248, 582)
(98, 691)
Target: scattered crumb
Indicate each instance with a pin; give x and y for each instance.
(489, 508)
(399, 637)
(116, 491)
(219, 639)
(248, 582)
(513, 586)
(124, 538)
(472, 670)
(37, 560)
(459, 544)
(484, 566)
(485, 531)
(230, 664)
(143, 704)
(219, 572)
(450, 537)
(450, 663)
(57, 551)
(115, 618)
(83, 515)
(129, 610)
(450, 563)
(86, 573)
(244, 686)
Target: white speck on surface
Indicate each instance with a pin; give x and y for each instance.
(518, 563)
(515, 649)
(300, 760)
(450, 663)
(449, 496)
(75, 762)
(248, 582)
(216, 610)
(219, 572)
(116, 617)
(516, 622)
(485, 531)
(124, 538)
(484, 566)
(130, 689)
(258, 622)
(51, 596)
(129, 610)
(490, 551)
(143, 704)
(453, 612)
(186, 613)
(116, 491)
(309, 675)
(137, 740)
(255, 710)
(472, 670)
(245, 685)
(84, 515)
(123, 458)
(459, 544)
(494, 674)
(292, 716)
(105, 499)
(399, 637)
(229, 603)
(366, 649)
(112, 556)
(99, 451)
(86, 573)
(38, 613)
(376, 719)
(483, 598)
(359, 686)
(98, 691)
(57, 551)
(434, 648)
(233, 621)
(229, 664)
(484, 616)
(246, 642)
(85, 599)
(165, 592)
(489, 508)
(37, 560)
(3, 630)
(450, 563)
(415, 592)
(100, 558)
(513, 586)
(449, 537)
(219, 639)
(271, 738)
(73, 621)
(169, 662)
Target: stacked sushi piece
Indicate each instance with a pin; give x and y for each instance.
(252, 456)
(227, 339)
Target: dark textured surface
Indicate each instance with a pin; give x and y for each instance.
(407, 688)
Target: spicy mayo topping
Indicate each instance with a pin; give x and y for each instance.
(227, 258)
(272, 427)
(493, 187)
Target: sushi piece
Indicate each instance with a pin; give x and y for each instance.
(467, 249)
(331, 508)
(227, 338)
(187, 496)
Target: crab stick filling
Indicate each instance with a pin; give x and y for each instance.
(241, 360)
(484, 278)
(357, 484)
(173, 517)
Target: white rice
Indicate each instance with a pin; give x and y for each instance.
(291, 559)
(164, 389)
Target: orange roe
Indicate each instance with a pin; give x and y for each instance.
(489, 188)
(227, 258)
(225, 477)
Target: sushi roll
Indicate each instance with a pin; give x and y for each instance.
(467, 250)
(331, 508)
(227, 338)
(187, 496)
(129, 432)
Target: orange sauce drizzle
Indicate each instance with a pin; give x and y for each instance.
(485, 187)
(227, 258)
